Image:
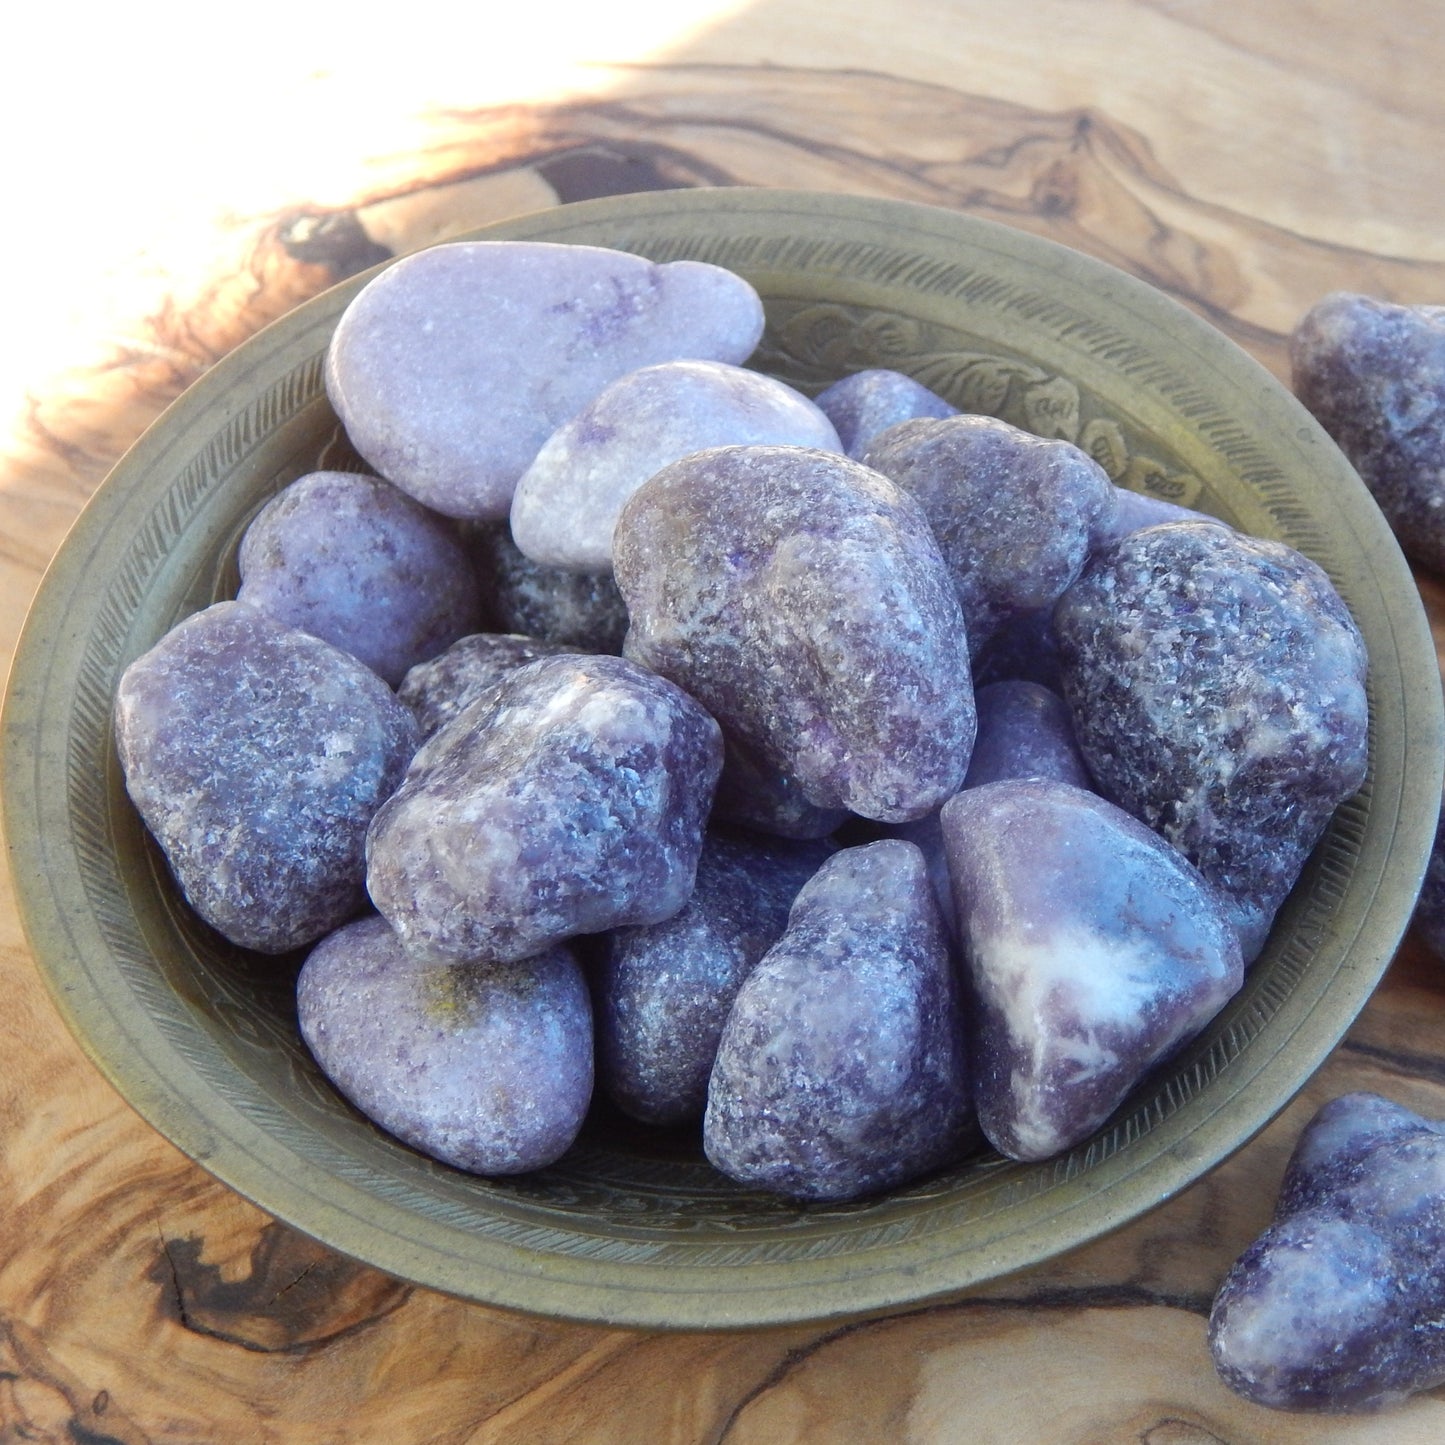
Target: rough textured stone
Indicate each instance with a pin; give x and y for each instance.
(488, 1069)
(454, 365)
(357, 563)
(570, 799)
(1014, 514)
(868, 402)
(1337, 1305)
(256, 755)
(436, 691)
(566, 505)
(1373, 374)
(1095, 951)
(1217, 688)
(841, 1069)
(664, 991)
(577, 609)
(1024, 731)
(801, 598)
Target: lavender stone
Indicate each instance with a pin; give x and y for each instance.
(570, 799)
(1136, 510)
(256, 755)
(454, 365)
(1095, 950)
(1373, 374)
(566, 505)
(488, 1069)
(1217, 687)
(436, 691)
(1024, 731)
(841, 1068)
(801, 599)
(868, 402)
(1337, 1305)
(1014, 514)
(664, 991)
(359, 564)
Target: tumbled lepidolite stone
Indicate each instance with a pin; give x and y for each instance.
(1136, 510)
(570, 799)
(1337, 1305)
(436, 691)
(454, 365)
(488, 1068)
(1373, 374)
(1217, 685)
(1095, 950)
(257, 755)
(841, 1069)
(566, 504)
(664, 990)
(352, 560)
(1014, 514)
(1024, 731)
(868, 402)
(800, 597)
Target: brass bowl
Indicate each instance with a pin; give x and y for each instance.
(634, 1228)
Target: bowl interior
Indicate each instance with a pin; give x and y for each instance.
(633, 1226)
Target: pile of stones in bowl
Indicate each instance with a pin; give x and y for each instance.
(862, 779)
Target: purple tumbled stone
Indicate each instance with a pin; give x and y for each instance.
(1337, 1305)
(354, 561)
(1373, 374)
(566, 504)
(1136, 510)
(841, 1069)
(436, 691)
(1216, 683)
(257, 755)
(570, 799)
(868, 402)
(801, 599)
(488, 1069)
(454, 365)
(1094, 948)
(1024, 731)
(664, 991)
(1014, 514)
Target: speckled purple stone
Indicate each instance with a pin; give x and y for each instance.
(436, 691)
(581, 610)
(488, 1069)
(841, 1069)
(256, 755)
(868, 402)
(1095, 950)
(1373, 374)
(1217, 687)
(1136, 510)
(664, 991)
(1014, 514)
(570, 799)
(1337, 1305)
(454, 365)
(566, 504)
(1429, 919)
(352, 560)
(1024, 731)
(801, 599)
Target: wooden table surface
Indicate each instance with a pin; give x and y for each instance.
(171, 191)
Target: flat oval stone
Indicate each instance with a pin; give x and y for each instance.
(566, 505)
(1373, 374)
(1216, 683)
(1095, 951)
(488, 1069)
(841, 1069)
(1014, 514)
(256, 755)
(570, 799)
(664, 990)
(868, 402)
(1024, 731)
(354, 561)
(454, 365)
(801, 599)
